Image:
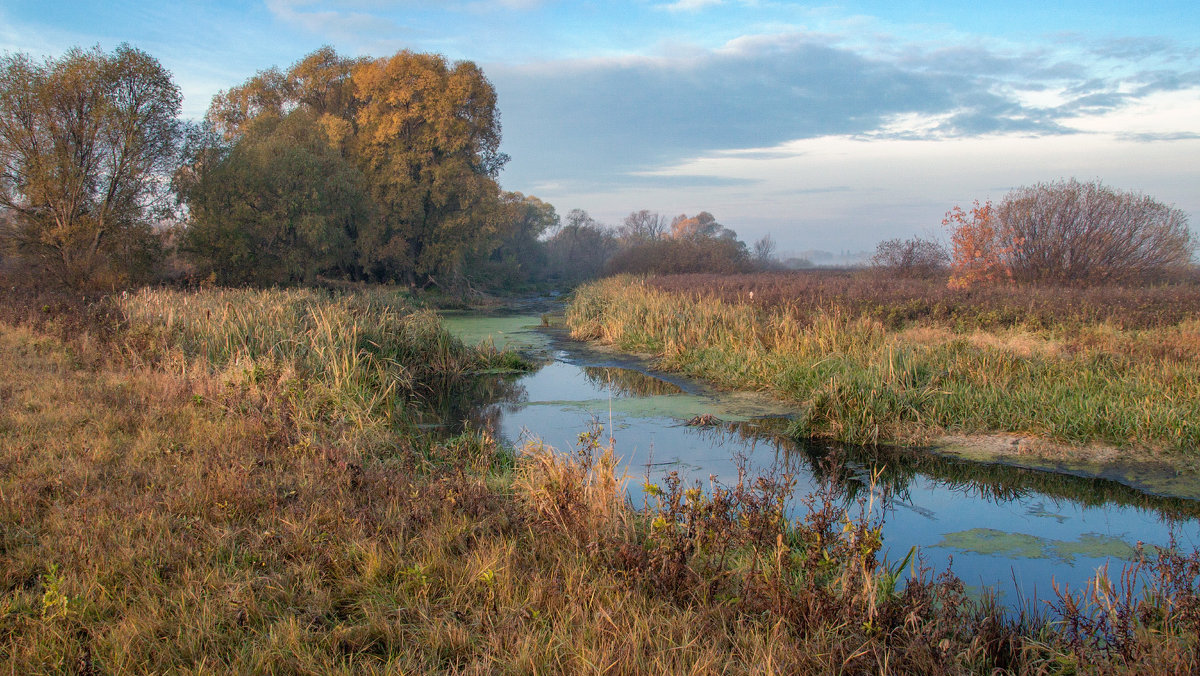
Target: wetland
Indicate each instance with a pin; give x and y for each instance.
(1005, 524)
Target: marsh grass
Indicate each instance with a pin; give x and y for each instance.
(859, 381)
(358, 358)
(896, 301)
(162, 512)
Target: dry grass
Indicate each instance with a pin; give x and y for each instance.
(166, 514)
(897, 302)
(864, 379)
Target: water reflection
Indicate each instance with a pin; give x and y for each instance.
(895, 470)
(623, 382)
(474, 402)
(1010, 528)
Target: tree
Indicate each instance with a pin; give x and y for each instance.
(695, 244)
(1067, 231)
(521, 256)
(278, 206)
(642, 226)
(268, 93)
(702, 225)
(424, 134)
(764, 251)
(980, 252)
(580, 249)
(915, 257)
(427, 140)
(87, 145)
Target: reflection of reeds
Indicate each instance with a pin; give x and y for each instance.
(896, 468)
(629, 383)
(475, 402)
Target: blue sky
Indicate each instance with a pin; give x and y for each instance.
(829, 126)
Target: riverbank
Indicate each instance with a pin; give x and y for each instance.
(230, 481)
(865, 363)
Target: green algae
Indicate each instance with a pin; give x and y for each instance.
(992, 542)
(680, 407)
(505, 332)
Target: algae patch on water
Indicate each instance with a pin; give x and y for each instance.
(505, 332)
(992, 542)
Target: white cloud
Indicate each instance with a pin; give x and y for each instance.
(332, 23)
(1164, 113)
(844, 191)
(689, 5)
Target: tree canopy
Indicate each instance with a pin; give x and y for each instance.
(422, 134)
(87, 144)
(280, 206)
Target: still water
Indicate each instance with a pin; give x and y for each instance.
(1013, 530)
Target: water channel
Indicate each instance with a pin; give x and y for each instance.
(1010, 529)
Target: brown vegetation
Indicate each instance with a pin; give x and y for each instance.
(168, 513)
(1069, 232)
(914, 257)
(897, 301)
(682, 255)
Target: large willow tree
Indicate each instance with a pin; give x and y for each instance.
(423, 134)
(280, 206)
(87, 143)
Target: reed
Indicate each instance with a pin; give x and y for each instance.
(854, 379)
(361, 356)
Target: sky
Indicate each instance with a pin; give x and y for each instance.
(826, 125)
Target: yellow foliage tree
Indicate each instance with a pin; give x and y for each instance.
(425, 135)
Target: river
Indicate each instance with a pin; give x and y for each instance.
(1012, 530)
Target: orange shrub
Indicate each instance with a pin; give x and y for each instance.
(979, 250)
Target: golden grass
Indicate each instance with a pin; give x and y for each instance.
(854, 379)
(163, 513)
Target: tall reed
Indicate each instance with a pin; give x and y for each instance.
(855, 380)
(361, 354)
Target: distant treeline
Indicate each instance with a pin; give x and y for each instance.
(385, 170)
(647, 242)
(378, 170)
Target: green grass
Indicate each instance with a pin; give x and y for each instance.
(856, 381)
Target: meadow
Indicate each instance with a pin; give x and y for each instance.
(871, 360)
(231, 481)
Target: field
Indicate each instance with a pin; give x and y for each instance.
(220, 481)
(871, 360)
(897, 302)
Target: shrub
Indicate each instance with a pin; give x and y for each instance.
(980, 251)
(915, 257)
(1068, 232)
(682, 255)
